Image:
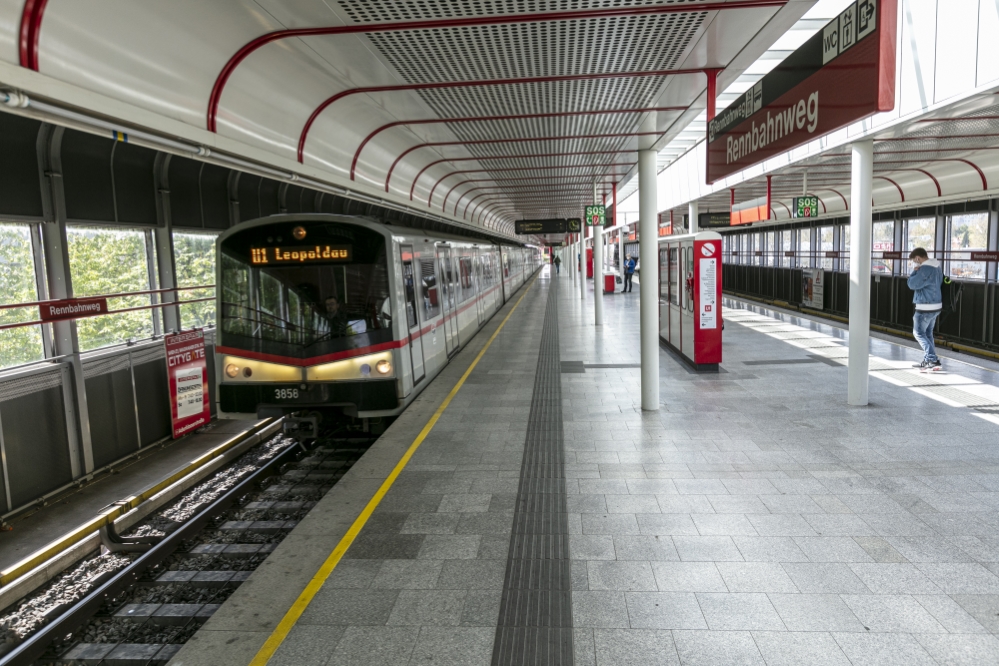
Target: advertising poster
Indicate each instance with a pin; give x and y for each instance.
(187, 373)
(812, 287)
(709, 284)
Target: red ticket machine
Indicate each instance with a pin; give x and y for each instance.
(589, 262)
(690, 294)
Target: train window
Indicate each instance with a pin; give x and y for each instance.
(467, 286)
(431, 294)
(409, 284)
(309, 308)
(674, 276)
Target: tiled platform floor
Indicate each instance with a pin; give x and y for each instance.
(755, 519)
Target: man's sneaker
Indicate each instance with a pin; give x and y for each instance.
(921, 366)
(930, 366)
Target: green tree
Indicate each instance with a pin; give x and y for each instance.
(194, 255)
(110, 261)
(17, 285)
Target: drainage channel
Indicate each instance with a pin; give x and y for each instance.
(145, 601)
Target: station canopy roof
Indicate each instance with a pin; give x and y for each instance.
(487, 110)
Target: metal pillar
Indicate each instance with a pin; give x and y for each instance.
(648, 288)
(163, 239)
(598, 269)
(692, 217)
(861, 182)
(65, 341)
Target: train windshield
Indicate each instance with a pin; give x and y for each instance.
(305, 289)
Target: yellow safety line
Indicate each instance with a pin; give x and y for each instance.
(286, 624)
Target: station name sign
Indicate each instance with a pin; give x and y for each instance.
(72, 308)
(844, 73)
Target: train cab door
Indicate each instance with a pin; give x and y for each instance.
(449, 299)
(478, 256)
(412, 313)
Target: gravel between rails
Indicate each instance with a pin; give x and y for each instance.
(36, 610)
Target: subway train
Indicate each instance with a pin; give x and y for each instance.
(335, 311)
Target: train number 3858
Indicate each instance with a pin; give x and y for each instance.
(285, 394)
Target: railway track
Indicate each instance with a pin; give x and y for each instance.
(150, 590)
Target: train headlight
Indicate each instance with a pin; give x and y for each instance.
(247, 372)
(365, 369)
(298, 233)
(232, 370)
(384, 367)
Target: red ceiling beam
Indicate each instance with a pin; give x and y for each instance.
(506, 189)
(527, 168)
(31, 29)
(897, 186)
(464, 22)
(523, 116)
(303, 137)
(613, 135)
(529, 156)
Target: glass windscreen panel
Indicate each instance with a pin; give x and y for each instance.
(967, 234)
(920, 232)
(302, 289)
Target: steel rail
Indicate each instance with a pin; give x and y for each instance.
(34, 647)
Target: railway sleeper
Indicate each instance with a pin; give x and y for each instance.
(232, 549)
(119, 654)
(263, 526)
(167, 614)
(276, 505)
(202, 578)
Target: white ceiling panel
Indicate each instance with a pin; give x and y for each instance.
(10, 18)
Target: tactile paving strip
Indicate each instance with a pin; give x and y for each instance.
(535, 623)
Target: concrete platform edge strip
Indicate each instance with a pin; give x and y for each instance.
(291, 617)
(37, 568)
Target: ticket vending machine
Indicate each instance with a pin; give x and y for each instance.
(690, 293)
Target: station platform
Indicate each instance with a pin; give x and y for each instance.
(544, 518)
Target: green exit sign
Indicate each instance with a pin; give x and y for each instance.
(595, 215)
(806, 207)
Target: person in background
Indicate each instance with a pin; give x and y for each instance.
(558, 264)
(629, 274)
(925, 284)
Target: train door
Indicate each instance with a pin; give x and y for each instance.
(449, 299)
(412, 313)
(478, 256)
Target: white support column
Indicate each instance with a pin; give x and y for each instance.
(861, 181)
(692, 218)
(598, 269)
(648, 288)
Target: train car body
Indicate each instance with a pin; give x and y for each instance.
(319, 311)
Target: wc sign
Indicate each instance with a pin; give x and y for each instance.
(856, 22)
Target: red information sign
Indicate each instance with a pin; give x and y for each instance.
(985, 256)
(187, 371)
(844, 73)
(72, 308)
(891, 255)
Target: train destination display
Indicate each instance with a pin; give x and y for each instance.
(312, 254)
(844, 73)
(553, 226)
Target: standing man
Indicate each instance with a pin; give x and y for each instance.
(925, 284)
(558, 264)
(629, 274)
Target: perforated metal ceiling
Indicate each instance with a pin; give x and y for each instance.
(384, 11)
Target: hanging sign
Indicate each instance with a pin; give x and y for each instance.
(72, 308)
(523, 227)
(187, 374)
(844, 73)
(595, 216)
(574, 225)
(805, 207)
